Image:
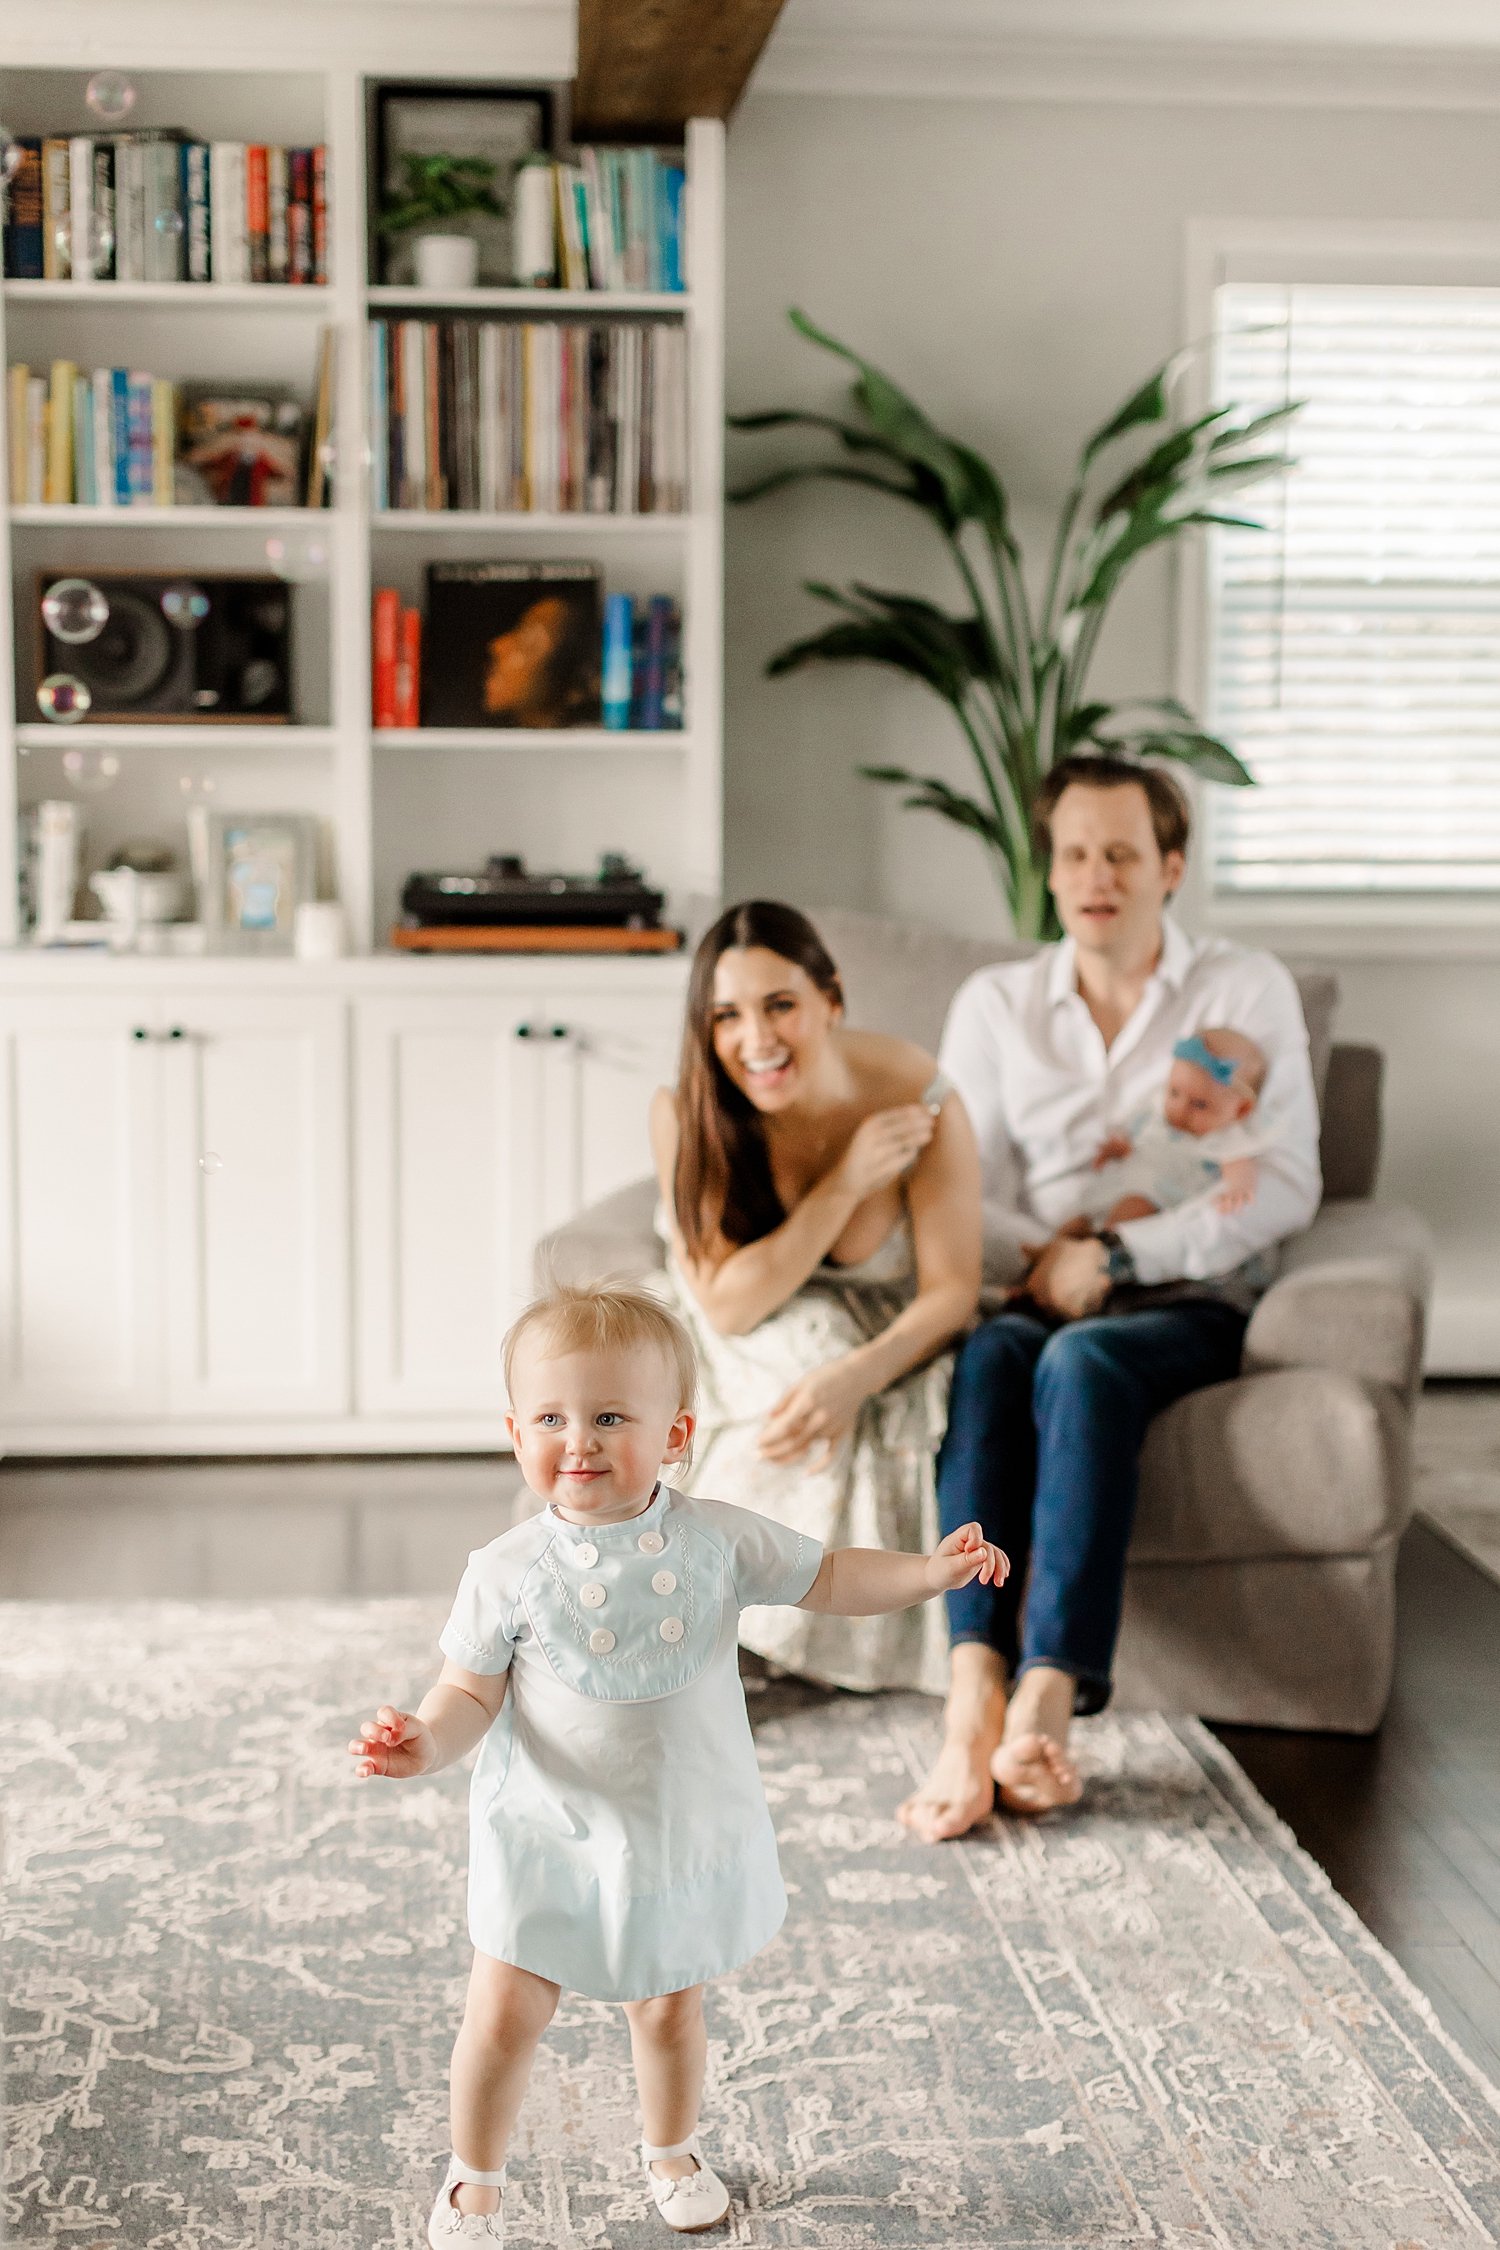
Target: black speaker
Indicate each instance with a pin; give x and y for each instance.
(190, 645)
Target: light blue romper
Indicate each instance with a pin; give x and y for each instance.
(620, 1841)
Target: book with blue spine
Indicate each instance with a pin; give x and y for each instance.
(139, 427)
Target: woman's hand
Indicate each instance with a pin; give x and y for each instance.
(964, 1556)
(1070, 1277)
(884, 1146)
(819, 1409)
(394, 1746)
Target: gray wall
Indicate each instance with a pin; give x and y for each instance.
(1018, 267)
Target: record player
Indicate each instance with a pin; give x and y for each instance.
(506, 908)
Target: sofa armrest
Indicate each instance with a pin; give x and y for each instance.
(1352, 1295)
(613, 1240)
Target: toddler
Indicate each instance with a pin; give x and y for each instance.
(1194, 1138)
(620, 1842)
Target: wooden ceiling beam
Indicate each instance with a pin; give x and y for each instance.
(646, 66)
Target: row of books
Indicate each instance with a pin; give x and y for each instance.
(536, 645)
(552, 416)
(161, 206)
(115, 437)
(106, 439)
(619, 220)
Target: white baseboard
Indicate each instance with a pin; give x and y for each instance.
(131, 1440)
(1463, 1336)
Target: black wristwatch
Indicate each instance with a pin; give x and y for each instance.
(1119, 1264)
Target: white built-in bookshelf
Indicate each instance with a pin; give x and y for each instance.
(389, 801)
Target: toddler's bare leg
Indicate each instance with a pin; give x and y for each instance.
(1131, 1207)
(670, 2045)
(507, 2011)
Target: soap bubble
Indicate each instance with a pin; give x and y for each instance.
(169, 223)
(210, 1161)
(110, 96)
(74, 610)
(184, 605)
(63, 699)
(303, 555)
(11, 153)
(91, 772)
(101, 254)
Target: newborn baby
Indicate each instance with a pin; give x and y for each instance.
(1195, 1137)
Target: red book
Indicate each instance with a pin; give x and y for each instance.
(320, 213)
(258, 213)
(385, 632)
(409, 669)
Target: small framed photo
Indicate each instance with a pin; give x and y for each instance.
(251, 871)
(497, 125)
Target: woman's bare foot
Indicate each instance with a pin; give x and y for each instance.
(959, 1792)
(1034, 1775)
(1031, 1767)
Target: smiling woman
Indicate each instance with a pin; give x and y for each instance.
(820, 1198)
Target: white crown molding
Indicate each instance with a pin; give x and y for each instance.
(1444, 54)
(450, 38)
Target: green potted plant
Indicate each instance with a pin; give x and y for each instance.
(1012, 664)
(434, 191)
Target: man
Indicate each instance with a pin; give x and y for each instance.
(1051, 1399)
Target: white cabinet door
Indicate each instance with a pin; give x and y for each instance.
(255, 1196)
(600, 1057)
(445, 1198)
(80, 1294)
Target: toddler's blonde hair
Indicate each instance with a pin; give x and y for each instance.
(613, 1316)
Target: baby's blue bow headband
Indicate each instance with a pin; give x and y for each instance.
(1221, 1068)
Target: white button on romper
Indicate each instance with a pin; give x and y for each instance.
(620, 1842)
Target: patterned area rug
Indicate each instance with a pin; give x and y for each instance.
(233, 1977)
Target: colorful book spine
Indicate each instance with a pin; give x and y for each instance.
(83, 446)
(650, 699)
(385, 630)
(258, 212)
(163, 226)
(193, 192)
(278, 243)
(36, 437)
(57, 236)
(408, 681)
(320, 213)
(299, 215)
(163, 441)
(81, 230)
(120, 447)
(102, 403)
(58, 487)
(619, 614)
(23, 214)
(139, 438)
(229, 234)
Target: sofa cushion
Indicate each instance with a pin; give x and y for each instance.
(900, 976)
(1300, 1461)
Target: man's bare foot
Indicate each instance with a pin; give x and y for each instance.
(1034, 1774)
(959, 1792)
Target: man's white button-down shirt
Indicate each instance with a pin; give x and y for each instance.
(1044, 1091)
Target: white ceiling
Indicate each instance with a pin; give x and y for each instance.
(1443, 53)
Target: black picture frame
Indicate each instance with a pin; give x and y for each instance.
(504, 122)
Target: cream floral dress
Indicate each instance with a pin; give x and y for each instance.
(878, 1490)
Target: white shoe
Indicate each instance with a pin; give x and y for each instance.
(696, 2202)
(448, 2226)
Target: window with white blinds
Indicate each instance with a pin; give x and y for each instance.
(1355, 641)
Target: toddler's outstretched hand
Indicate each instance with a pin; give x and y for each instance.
(394, 1746)
(965, 1555)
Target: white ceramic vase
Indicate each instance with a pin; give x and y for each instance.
(446, 261)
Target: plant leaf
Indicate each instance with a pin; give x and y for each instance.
(1082, 721)
(929, 794)
(900, 421)
(776, 479)
(1190, 746)
(1148, 404)
(856, 641)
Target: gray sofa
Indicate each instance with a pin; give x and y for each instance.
(1261, 1580)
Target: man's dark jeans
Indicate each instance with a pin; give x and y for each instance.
(1045, 1427)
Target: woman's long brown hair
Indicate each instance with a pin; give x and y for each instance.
(722, 1185)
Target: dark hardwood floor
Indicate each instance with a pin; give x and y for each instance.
(1407, 1823)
